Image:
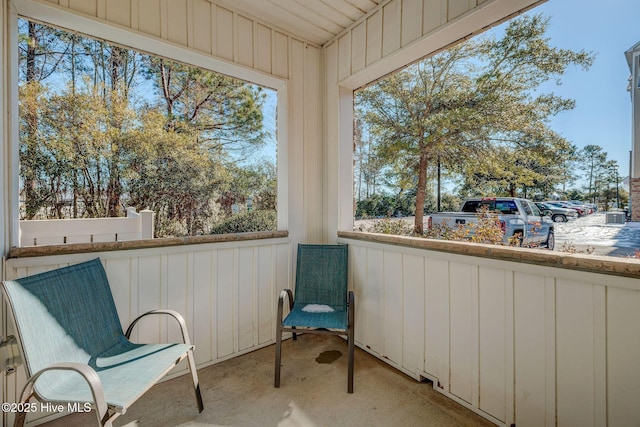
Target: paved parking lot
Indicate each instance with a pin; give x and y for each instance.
(592, 231)
(580, 235)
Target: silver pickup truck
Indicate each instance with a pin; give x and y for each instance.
(520, 219)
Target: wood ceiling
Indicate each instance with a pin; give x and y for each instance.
(315, 21)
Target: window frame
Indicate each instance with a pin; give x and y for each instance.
(127, 38)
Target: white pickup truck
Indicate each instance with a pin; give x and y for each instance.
(520, 219)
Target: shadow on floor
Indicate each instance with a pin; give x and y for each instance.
(313, 392)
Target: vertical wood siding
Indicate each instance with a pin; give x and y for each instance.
(400, 32)
(514, 342)
(395, 25)
(198, 24)
(227, 294)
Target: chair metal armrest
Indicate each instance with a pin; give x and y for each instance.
(286, 293)
(172, 313)
(185, 339)
(90, 376)
(289, 294)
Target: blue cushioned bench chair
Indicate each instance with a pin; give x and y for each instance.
(74, 348)
(322, 302)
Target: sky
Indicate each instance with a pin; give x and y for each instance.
(603, 106)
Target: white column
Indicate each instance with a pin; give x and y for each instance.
(634, 170)
(9, 124)
(635, 103)
(345, 162)
(5, 211)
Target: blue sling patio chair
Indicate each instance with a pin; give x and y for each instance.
(73, 347)
(322, 302)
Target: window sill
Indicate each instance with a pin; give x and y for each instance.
(75, 248)
(617, 266)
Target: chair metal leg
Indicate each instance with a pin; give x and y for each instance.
(350, 368)
(20, 418)
(196, 383)
(276, 381)
(351, 341)
(104, 415)
(27, 394)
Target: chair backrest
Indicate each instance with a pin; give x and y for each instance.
(321, 275)
(67, 314)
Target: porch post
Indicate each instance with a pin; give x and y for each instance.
(345, 159)
(633, 60)
(338, 136)
(4, 127)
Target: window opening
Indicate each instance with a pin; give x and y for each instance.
(105, 130)
(483, 119)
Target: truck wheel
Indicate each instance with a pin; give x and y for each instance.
(551, 241)
(517, 238)
(559, 218)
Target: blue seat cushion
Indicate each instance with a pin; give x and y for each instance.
(331, 320)
(126, 373)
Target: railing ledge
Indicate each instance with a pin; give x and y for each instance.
(74, 248)
(618, 266)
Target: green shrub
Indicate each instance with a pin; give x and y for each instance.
(379, 206)
(247, 221)
(392, 226)
(375, 206)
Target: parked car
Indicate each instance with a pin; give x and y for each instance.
(556, 213)
(520, 219)
(587, 207)
(563, 204)
(590, 206)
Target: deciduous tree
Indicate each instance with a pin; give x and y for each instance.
(469, 102)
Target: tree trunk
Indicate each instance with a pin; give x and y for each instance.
(439, 203)
(420, 195)
(32, 204)
(114, 186)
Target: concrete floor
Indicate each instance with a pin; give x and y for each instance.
(240, 392)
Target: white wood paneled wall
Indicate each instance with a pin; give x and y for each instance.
(197, 24)
(395, 25)
(517, 343)
(400, 32)
(227, 293)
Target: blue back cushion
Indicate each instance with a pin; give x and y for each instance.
(321, 275)
(66, 314)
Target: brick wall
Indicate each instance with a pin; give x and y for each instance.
(635, 199)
